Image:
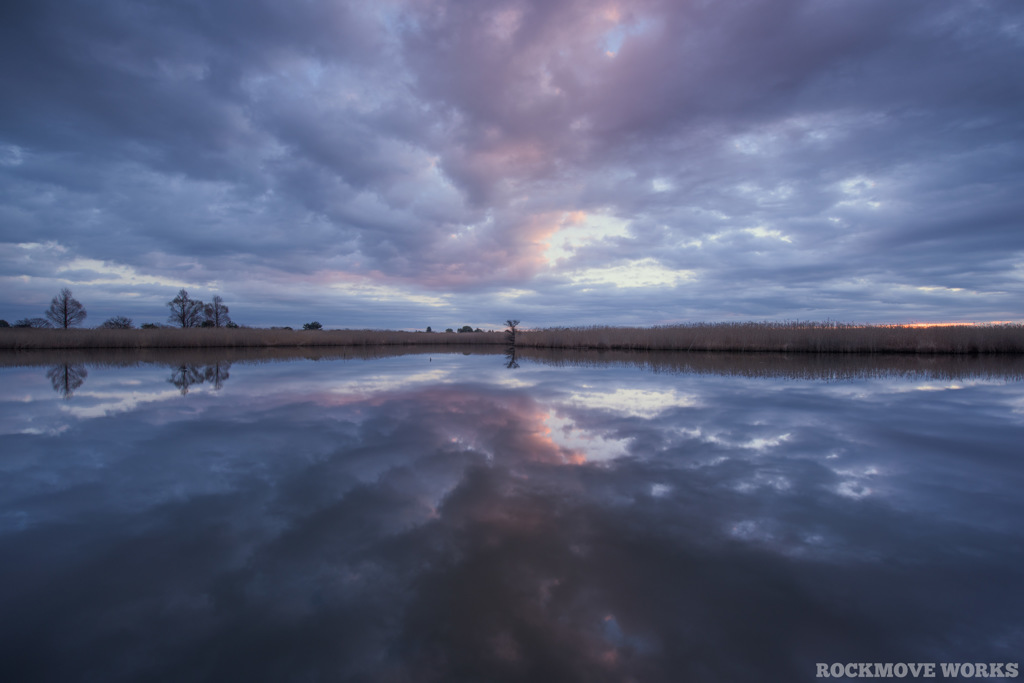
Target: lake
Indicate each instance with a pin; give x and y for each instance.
(439, 516)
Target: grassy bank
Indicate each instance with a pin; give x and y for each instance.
(796, 337)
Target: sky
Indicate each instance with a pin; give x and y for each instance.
(406, 163)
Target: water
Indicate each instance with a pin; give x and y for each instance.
(442, 517)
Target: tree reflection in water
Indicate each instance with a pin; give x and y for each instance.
(186, 375)
(67, 378)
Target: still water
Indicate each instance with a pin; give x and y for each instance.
(449, 517)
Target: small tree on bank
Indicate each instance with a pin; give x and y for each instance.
(313, 326)
(65, 311)
(216, 313)
(185, 311)
(510, 333)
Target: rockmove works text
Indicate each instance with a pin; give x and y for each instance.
(917, 670)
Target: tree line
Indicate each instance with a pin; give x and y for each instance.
(66, 311)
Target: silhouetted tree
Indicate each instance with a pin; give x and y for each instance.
(448, 329)
(4, 323)
(66, 378)
(313, 326)
(510, 333)
(118, 322)
(428, 328)
(216, 313)
(65, 311)
(185, 311)
(465, 328)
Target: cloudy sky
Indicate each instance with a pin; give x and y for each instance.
(405, 163)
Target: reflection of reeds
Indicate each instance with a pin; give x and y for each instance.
(791, 337)
(807, 366)
(827, 367)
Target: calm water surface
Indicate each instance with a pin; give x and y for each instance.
(447, 518)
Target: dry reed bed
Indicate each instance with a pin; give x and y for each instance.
(799, 337)
(796, 337)
(200, 338)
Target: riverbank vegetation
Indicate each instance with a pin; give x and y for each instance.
(202, 337)
(790, 337)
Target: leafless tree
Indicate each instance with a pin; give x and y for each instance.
(510, 333)
(65, 311)
(216, 312)
(185, 311)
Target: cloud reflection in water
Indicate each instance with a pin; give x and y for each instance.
(405, 520)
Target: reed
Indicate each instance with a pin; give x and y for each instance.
(197, 338)
(789, 337)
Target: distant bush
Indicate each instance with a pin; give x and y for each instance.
(36, 323)
(4, 323)
(118, 322)
(449, 330)
(313, 326)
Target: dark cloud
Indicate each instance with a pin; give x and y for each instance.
(764, 151)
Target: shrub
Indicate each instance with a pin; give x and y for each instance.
(118, 322)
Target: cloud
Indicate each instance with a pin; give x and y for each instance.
(775, 149)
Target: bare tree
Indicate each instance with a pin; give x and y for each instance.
(65, 311)
(216, 312)
(185, 311)
(510, 333)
